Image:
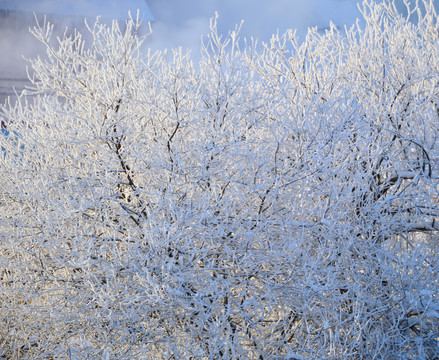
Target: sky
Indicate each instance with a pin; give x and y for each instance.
(182, 22)
(92, 8)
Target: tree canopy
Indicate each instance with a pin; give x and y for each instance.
(275, 201)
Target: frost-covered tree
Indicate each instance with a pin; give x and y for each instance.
(271, 202)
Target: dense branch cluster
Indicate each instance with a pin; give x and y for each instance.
(270, 202)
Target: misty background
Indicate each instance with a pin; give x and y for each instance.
(181, 23)
(174, 23)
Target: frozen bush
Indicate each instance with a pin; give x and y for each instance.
(270, 202)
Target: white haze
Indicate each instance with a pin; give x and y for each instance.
(182, 23)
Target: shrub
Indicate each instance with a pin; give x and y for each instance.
(271, 202)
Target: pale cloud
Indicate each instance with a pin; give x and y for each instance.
(91, 8)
